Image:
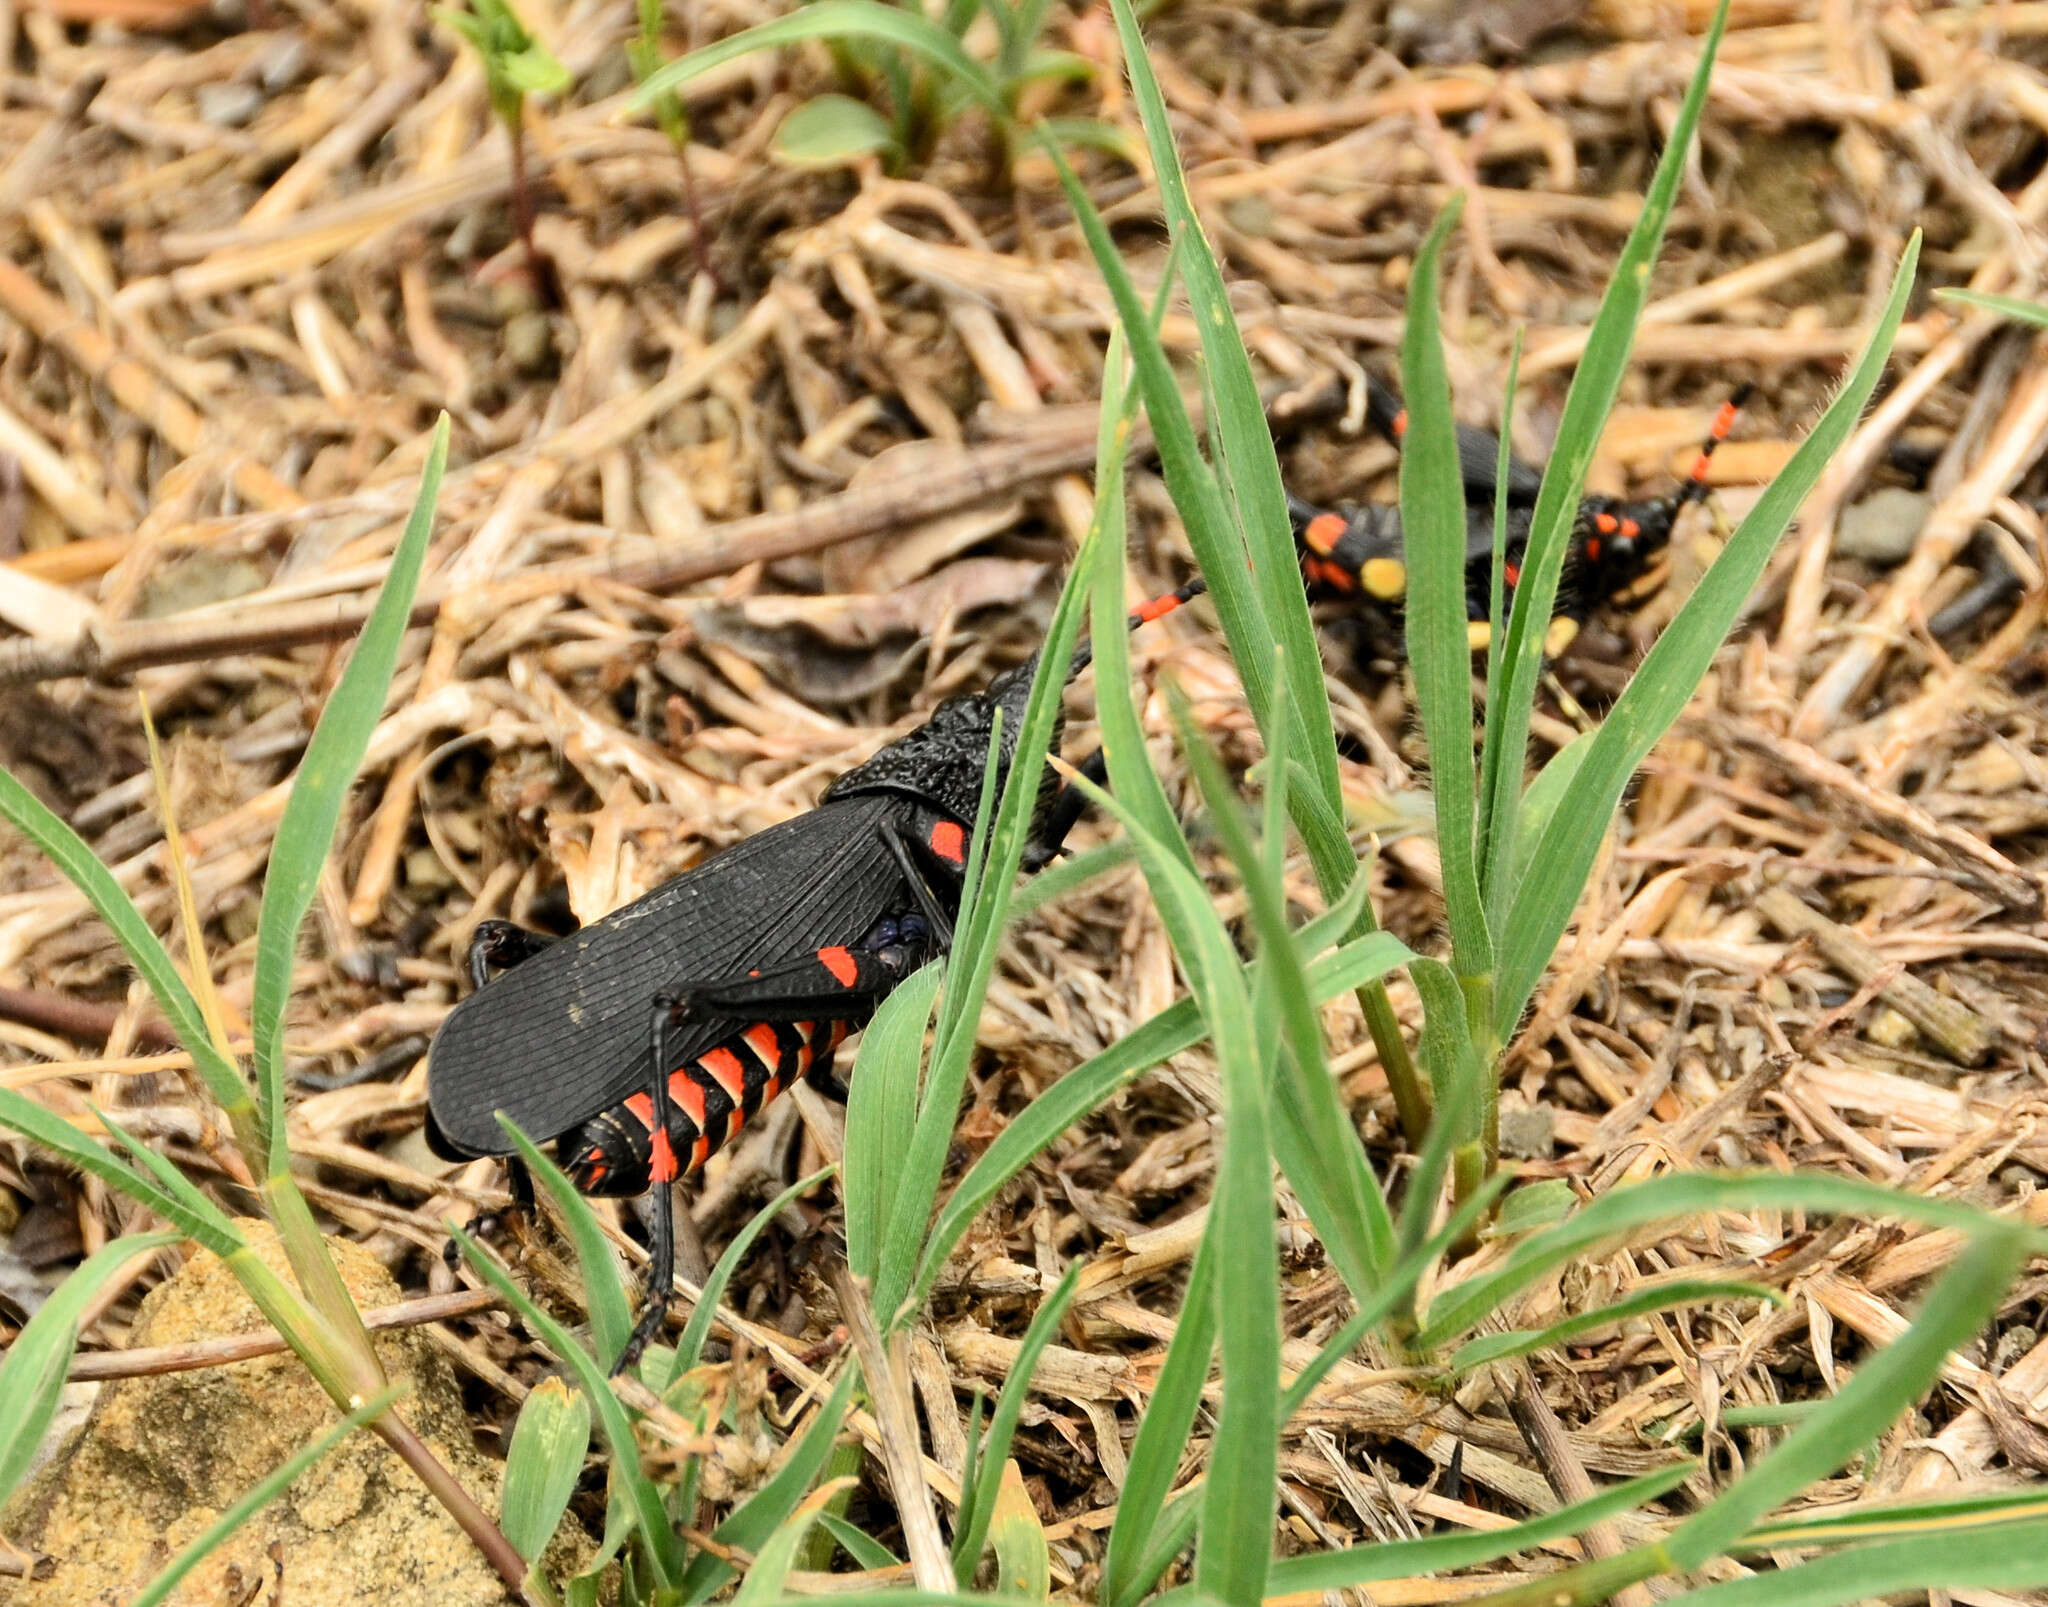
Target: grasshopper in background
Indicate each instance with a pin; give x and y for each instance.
(1357, 552)
(644, 1042)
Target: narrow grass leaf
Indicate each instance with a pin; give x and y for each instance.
(1659, 690)
(1657, 1297)
(1313, 1135)
(1244, 447)
(1887, 1384)
(2025, 312)
(839, 21)
(542, 1465)
(1179, 1026)
(2006, 1559)
(1678, 1196)
(604, 1280)
(32, 1372)
(858, 1544)
(978, 1500)
(1433, 520)
(1239, 1496)
(319, 789)
(1540, 803)
(994, 855)
(211, 1227)
(258, 1496)
(1356, 1566)
(881, 1114)
(1896, 1520)
(1587, 405)
(690, 1348)
(762, 1513)
(1163, 1436)
(770, 1572)
(660, 1544)
(145, 950)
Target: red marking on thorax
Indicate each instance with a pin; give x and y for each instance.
(1323, 532)
(840, 964)
(1512, 573)
(1401, 423)
(949, 842)
(1606, 523)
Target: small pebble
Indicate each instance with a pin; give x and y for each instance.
(1882, 528)
(228, 105)
(529, 342)
(1528, 1132)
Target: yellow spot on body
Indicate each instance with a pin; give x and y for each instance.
(1563, 631)
(1478, 634)
(1385, 578)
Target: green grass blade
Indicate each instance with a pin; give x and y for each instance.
(1655, 1297)
(2025, 312)
(858, 1544)
(659, 1542)
(1674, 1197)
(690, 1349)
(320, 788)
(1313, 1135)
(1659, 690)
(1898, 1520)
(259, 1496)
(604, 1280)
(1587, 405)
(32, 1373)
(1357, 1566)
(211, 1228)
(1439, 652)
(1458, 1077)
(542, 1465)
(1496, 577)
(978, 1500)
(839, 21)
(768, 1508)
(1162, 1437)
(1887, 1384)
(145, 950)
(991, 877)
(2011, 1558)
(1243, 442)
(1179, 1026)
(766, 1578)
(881, 1114)
(1391, 1297)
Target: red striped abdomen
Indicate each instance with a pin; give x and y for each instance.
(710, 1100)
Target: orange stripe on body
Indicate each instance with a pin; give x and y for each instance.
(725, 1069)
(766, 1046)
(687, 1095)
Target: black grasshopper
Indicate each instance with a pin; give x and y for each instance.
(642, 1043)
(1357, 553)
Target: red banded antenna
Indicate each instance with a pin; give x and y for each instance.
(1695, 486)
(1146, 612)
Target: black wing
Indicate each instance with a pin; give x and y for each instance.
(1478, 450)
(565, 1035)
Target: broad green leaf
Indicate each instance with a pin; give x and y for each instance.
(543, 1464)
(659, 1543)
(881, 1115)
(1535, 1205)
(765, 1580)
(1023, 1560)
(831, 131)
